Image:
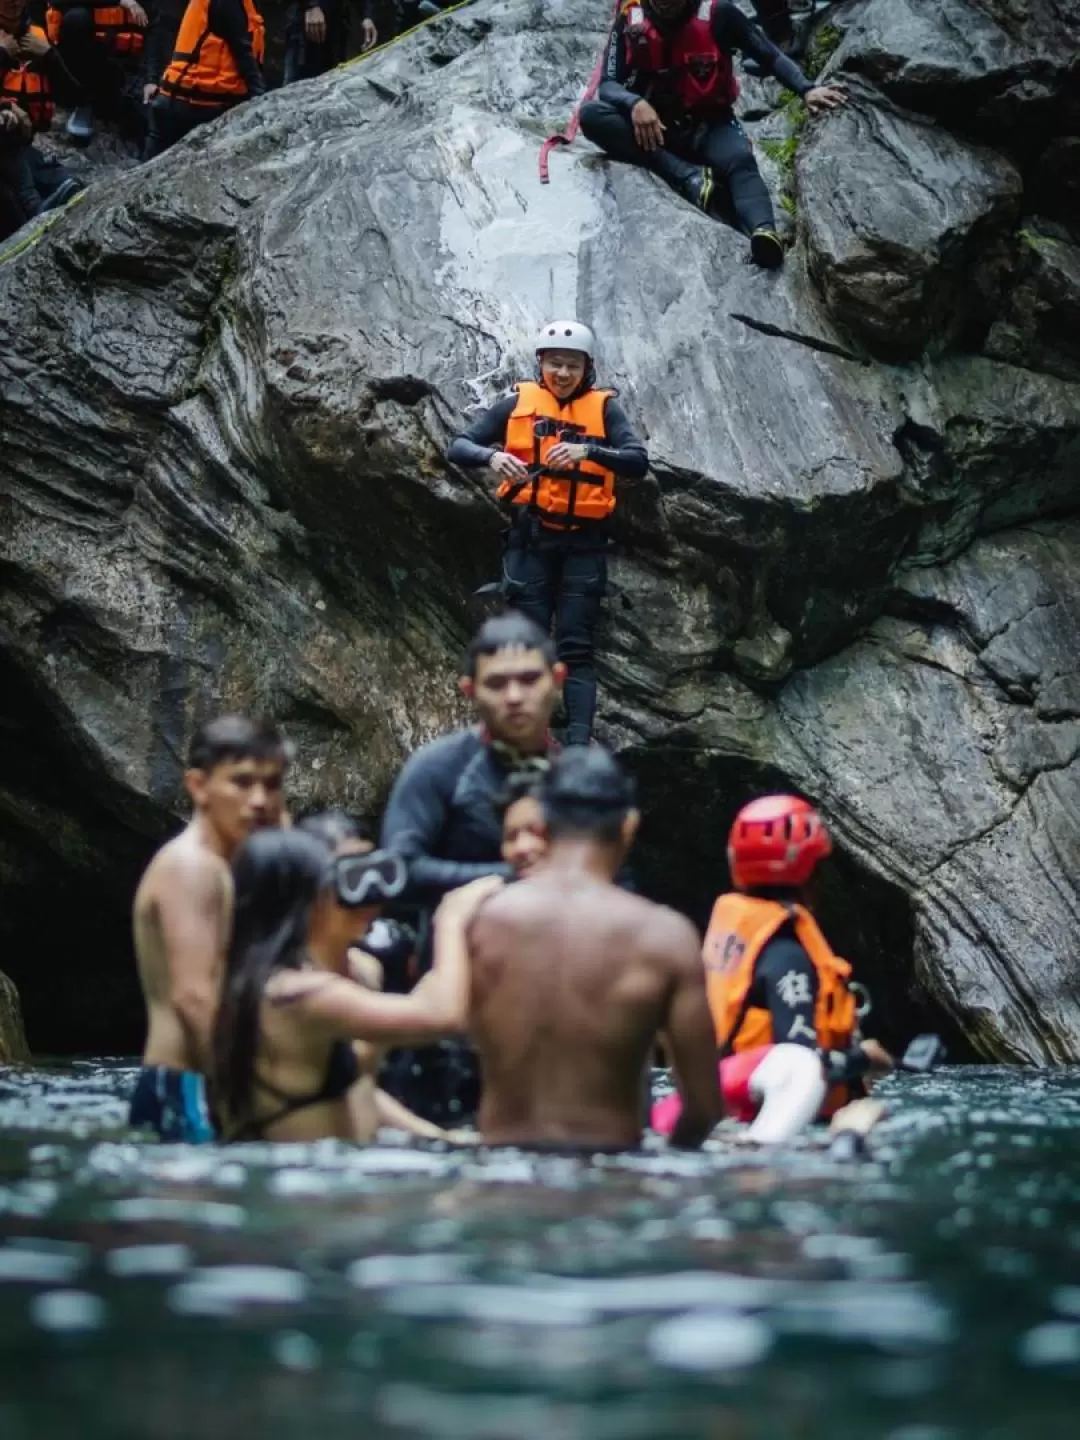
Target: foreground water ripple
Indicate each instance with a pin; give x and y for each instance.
(930, 1292)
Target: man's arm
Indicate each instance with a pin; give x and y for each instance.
(476, 444)
(620, 86)
(228, 18)
(415, 818)
(194, 920)
(689, 1035)
(733, 31)
(160, 39)
(624, 453)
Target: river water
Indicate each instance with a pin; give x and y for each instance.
(929, 1293)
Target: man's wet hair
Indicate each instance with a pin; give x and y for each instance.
(520, 785)
(587, 792)
(230, 738)
(511, 631)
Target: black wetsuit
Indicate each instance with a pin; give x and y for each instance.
(304, 58)
(719, 142)
(786, 984)
(559, 575)
(441, 816)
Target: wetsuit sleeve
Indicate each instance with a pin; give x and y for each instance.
(228, 18)
(786, 984)
(733, 31)
(415, 818)
(619, 86)
(161, 36)
(625, 454)
(475, 445)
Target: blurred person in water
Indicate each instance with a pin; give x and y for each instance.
(573, 979)
(524, 826)
(286, 1062)
(781, 1000)
(441, 816)
(183, 917)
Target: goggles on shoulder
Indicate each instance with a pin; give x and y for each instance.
(367, 879)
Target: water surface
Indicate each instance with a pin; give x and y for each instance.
(931, 1293)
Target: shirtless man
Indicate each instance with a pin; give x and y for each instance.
(572, 978)
(183, 917)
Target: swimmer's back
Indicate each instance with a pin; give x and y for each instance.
(571, 979)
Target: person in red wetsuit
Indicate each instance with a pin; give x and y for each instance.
(781, 1001)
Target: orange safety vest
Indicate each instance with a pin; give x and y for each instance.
(29, 88)
(536, 426)
(739, 929)
(203, 70)
(112, 27)
(685, 67)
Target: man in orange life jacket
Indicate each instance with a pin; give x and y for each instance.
(666, 103)
(214, 67)
(557, 445)
(31, 74)
(785, 1016)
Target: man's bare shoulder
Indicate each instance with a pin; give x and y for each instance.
(669, 935)
(184, 864)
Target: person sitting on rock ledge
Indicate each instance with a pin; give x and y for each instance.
(557, 445)
(98, 44)
(16, 133)
(666, 103)
(214, 67)
(31, 73)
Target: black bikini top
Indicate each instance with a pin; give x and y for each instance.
(342, 1073)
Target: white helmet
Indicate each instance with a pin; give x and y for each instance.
(566, 335)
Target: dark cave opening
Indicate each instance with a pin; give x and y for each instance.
(688, 799)
(72, 846)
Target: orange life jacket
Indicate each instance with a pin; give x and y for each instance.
(685, 67)
(739, 929)
(536, 426)
(203, 70)
(28, 87)
(112, 27)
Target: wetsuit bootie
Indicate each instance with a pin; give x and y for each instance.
(766, 249)
(80, 125)
(699, 190)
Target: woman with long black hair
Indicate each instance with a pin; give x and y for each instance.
(285, 1066)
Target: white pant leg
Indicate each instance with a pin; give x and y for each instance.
(790, 1083)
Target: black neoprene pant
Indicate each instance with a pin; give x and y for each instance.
(721, 144)
(171, 120)
(562, 577)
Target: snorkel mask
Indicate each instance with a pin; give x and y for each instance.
(361, 880)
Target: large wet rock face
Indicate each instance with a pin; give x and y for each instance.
(227, 383)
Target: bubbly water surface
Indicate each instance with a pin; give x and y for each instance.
(273, 1293)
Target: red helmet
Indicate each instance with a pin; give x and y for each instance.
(776, 840)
